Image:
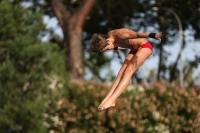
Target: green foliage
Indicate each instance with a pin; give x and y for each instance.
(34, 94)
(26, 67)
(139, 16)
(159, 108)
(96, 65)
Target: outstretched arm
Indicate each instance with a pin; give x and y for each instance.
(125, 33)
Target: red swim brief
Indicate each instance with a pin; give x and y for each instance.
(146, 45)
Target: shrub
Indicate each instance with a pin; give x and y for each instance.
(160, 108)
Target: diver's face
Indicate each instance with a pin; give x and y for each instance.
(110, 45)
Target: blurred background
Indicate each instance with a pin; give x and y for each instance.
(51, 82)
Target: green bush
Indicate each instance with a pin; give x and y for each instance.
(28, 69)
(159, 109)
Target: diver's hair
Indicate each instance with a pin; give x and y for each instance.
(98, 42)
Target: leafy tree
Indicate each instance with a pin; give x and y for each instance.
(25, 65)
(71, 16)
(189, 14)
(106, 16)
(137, 15)
(72, 23)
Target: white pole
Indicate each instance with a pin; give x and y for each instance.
(181, 44)
(181, 41)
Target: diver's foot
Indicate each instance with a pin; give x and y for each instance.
(107, 104)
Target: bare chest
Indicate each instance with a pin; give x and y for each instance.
(129, 43)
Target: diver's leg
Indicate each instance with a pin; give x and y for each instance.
(136, 61)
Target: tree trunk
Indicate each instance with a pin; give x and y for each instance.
(72, 26)
(174, 70)
(74, 62)
(160, 62)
